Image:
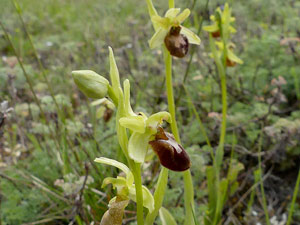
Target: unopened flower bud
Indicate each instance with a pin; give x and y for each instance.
(176, 43)
(114, 215)
(171, 154)
(90, 83)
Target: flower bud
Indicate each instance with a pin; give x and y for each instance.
(171, 154)
(90, 83)
(114, 215)
(176, 43)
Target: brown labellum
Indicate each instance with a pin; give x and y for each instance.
(171, 154)
(176, 43)
(216, 34)
(107, 114)
(230, 63)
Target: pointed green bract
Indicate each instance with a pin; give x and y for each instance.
(128, 109)
(114, 72)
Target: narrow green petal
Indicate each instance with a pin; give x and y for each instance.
(138, 146)
(134, 123)
(114, 163)
(182, 16)
(151, 8)
(116, 182)
(172, 13)
(114, 72)
(192, 37)
(211, 28)
(233, 57)
(156, 119)
(128, 109)
(148, 200)
(158, 38)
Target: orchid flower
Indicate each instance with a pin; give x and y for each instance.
(125, 185)
(164, 24)
(225, 18)
(232, 59)
(142, 127)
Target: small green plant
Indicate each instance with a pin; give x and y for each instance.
(145, 130)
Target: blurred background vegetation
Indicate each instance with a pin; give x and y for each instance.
(48, 144)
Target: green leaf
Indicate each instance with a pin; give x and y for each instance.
(166, 217)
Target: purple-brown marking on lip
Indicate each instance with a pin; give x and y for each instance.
(171, 154)
(176, 43)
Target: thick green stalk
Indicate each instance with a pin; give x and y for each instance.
(220, 151)
(158, 195)
(188, 182)
(169, 84)
(171, 4)
(139, 193)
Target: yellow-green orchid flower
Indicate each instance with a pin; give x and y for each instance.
(142, 127)
(125, 185)
(164, 24)
(232, 59)
(226, 19)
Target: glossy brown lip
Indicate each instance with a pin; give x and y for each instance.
(171, 154)
(176, 43)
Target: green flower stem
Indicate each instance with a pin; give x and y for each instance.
(296, 189)
(169, 84)
(171, 4)
(220, 151)
(158, 195)
(139, 193)
(188, 198)
(188, 182)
